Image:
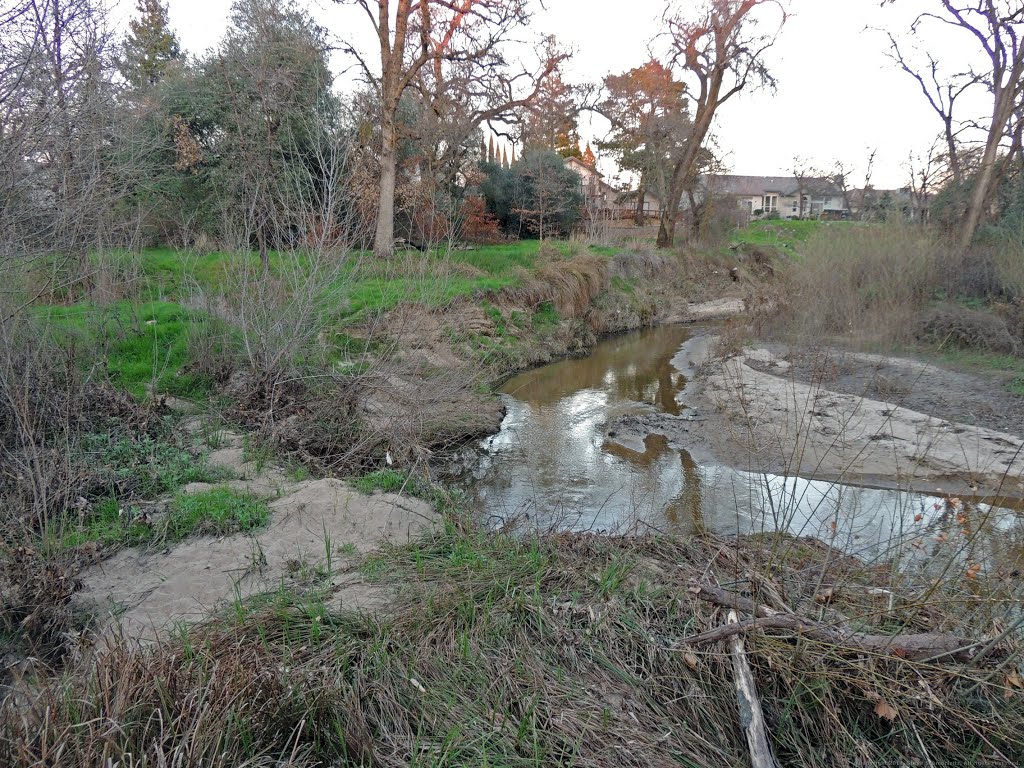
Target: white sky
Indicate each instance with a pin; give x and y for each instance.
(838, 95)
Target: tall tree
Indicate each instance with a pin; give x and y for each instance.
(537, 197)
(418, 38)
(453, 52)
(56, 114)
(996, 28)
(150, 45)
(269, 96)
(552, 119)
(719, 52)
(651, 126)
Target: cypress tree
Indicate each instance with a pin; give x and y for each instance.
(149, 46)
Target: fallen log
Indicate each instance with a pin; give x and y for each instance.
(929, 646)
(751, 715)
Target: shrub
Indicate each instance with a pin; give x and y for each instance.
(957, 326)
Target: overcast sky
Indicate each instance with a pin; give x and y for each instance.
(838, 95)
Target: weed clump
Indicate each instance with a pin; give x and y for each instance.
(217, 512)
(953, 325)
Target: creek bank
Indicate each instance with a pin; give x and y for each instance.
(444, 363)
(430, 388)
(774, 416)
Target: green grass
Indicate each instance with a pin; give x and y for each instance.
(778, 233)
(973, 360)
(139, 347)
(216, 512)
(109, 525)
(144, 347)
(383, 480)
(363, 297)
(364, 285)
(546, 317)
(144, 466)
(447, 501)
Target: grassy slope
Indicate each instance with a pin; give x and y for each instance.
(146, 345)
(783, 234)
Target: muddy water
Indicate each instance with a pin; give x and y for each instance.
(555, 464)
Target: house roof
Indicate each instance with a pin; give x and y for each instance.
(751, 186)
(582, 164)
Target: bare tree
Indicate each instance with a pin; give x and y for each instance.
(996, 27)
(453, 103)
(422, 36)
(927, 171)
(57, 110)
(805, 175)
(719, 52)
(942, 93)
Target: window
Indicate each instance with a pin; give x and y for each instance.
(769, 203)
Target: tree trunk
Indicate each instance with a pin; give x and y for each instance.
(261, 239)
(696, 214)
(986, 174)
(954, 153)
(384, 239)
(667, 229)
(638, 214)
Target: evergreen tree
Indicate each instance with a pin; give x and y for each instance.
(551, 121)
(150, 45)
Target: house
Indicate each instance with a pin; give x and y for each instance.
(600, 196)
(871, 203)
(789, 197)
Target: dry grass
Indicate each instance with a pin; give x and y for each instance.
(866, 282)
(504, 651)
(570, 285)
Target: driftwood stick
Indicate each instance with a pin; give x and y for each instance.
(751, 715)
(928, 646)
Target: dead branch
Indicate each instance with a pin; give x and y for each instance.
(916, 647)
(751, 714)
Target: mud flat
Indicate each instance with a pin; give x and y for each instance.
(762, 412)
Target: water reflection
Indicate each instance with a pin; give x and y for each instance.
(551, 465)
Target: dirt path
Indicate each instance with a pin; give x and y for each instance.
(311, 523)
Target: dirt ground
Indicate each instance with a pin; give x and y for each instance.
(864, 419)
(977, 399)
(314, 524)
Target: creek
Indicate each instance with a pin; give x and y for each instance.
(558, 464)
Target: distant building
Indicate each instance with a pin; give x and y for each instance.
(871, 203)
(601, 197)
(786, 196)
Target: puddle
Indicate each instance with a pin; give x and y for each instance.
(555, 465)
